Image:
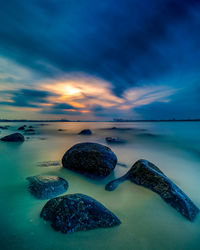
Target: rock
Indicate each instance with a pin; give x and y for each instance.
(117, 129)
(148, 175)
(4, 127)
(148, 135)
(114, 140)
(60, 130)
(16, 137)
(91, 159)
(85, 132)
(77, 212)
(30, 131)
(22, 127)
(48, 163)
(47, 186)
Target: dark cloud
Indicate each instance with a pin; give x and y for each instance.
(26, 97)
(61, 109)
(122, 41)
(62, 106)
(184, 105)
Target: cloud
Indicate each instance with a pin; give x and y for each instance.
(99, 57)
(123, 42)
(26, 98)
(183, 105)
(61, 109)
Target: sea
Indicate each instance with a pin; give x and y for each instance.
(148, 223)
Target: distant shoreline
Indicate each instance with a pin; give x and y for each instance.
(114, 121)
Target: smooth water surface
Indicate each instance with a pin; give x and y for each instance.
(148, 223)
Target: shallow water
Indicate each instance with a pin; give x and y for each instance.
(147, 221)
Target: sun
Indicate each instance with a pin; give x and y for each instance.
(70, 90)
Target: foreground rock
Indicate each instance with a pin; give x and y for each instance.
(91, 159)
(16, 137)
(114, 140)
(47, 186)
(148, 175)
(85, 132)
(77, 212)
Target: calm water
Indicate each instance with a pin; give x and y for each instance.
(148, 223)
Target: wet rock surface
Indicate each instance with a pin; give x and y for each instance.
(47, 186)
(85, 132)
(77, 212)
(150, 176)
(91, 159)
(16, 137)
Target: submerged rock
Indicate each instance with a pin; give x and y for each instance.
(91, 159)
(85, 132)
(48, 163)
(148, 175)
(47, 186)
(22, 127)
(4, 127)
(16, 137)
(30, 131)
(114, 140)
(77, 212)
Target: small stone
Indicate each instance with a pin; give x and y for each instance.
(85, 132)
(47, 186)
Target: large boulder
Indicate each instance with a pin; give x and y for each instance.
(91, 159)
(150, 176)
(16, 137)
(47, 186)
(85, 132)
(77, 212)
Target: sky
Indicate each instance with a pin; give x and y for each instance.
(99, 60)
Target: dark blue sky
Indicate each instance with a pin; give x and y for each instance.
(143, 58)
